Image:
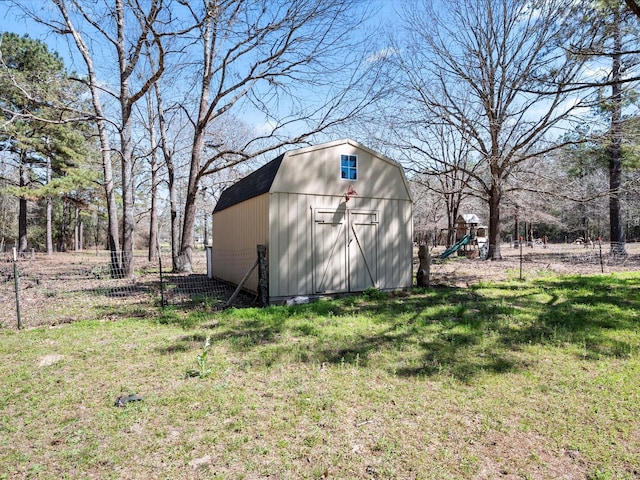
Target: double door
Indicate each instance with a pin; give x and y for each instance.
(345, 250)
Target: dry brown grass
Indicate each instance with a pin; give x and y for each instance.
(560, 259)
(68, 287)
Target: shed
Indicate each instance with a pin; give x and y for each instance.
(335, 218)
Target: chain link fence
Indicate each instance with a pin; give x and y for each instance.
(68, 287)
(529, 260)
(600, 256)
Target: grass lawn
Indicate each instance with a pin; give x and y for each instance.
(537, 379)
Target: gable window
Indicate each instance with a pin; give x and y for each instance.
(348, 167)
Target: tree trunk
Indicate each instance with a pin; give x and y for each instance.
(76, 230)
(113, 232)
(171, 179)
(62, 244)
(22, 209)
(49, 213)
(153, 220)
(187, 241)
(516, 229)
(128, 220)
(113, 235)
(494, 225)
(185, 258)
(452, 215)
(615, 154)
(615, 216)
(173, 205)
(188, 226)
(423, 275)
(96, 89)
(126, 152)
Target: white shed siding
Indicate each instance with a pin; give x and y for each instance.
(289, 245)
(296, 214)
(236, 233)
(318, 172)
(395, 244)
(291, 242)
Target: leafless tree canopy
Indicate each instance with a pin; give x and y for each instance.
(468, 64)
(289, 69)
(480, 99)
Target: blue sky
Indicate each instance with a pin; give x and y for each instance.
(12, 20)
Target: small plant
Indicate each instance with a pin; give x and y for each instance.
(373, 293)
(203, 370)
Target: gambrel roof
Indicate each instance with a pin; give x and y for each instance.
(387, 181)
(252, 185)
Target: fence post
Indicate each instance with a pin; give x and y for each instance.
(263, 277)
(159, 250)
(15, 279)
(520, 257)
(601, 264)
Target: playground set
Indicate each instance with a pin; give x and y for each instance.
(470, 238)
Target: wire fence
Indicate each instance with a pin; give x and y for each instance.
(612, 256)
(528, 260)
(38, 289)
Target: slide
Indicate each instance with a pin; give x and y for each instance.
(459, 244)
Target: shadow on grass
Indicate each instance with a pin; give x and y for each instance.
(184, 344)
(443, 331)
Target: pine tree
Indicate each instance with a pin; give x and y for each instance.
(41, 130)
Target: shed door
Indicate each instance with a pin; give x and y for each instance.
(363, 250)
(345, 250)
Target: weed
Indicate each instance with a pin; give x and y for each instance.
(373, 293)
(203, 369)
(599, 475)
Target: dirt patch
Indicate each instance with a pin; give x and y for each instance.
(564, 259)
(69, 287)
(516, 454)
(48, 360)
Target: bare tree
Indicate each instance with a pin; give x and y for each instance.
(273, 58)
(474, 65)
(294, 63)
(117, 30)
(615, 147)
(439, 158)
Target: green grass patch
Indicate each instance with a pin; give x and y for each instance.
(534, 379)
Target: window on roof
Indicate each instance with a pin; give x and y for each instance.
(348, 167)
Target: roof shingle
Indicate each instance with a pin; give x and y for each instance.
(252, 185)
